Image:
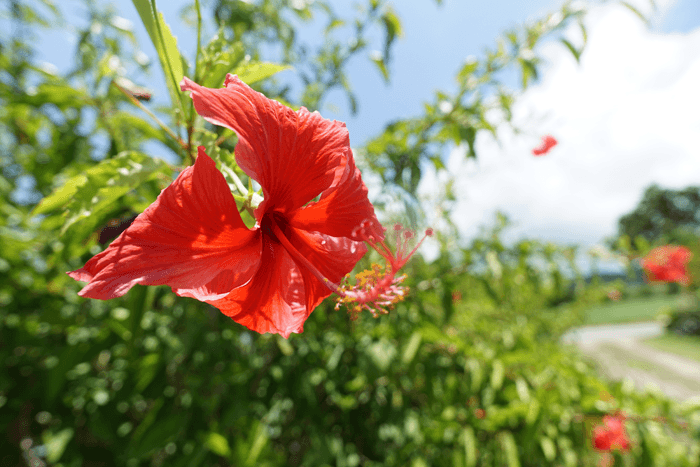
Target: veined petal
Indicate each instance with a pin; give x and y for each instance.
(273, 301)
(191, 238)
(293, 155)
(342, 209)
(333, 257)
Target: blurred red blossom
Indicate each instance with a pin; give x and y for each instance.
(611, 434)
(548, 142)
(667, 264)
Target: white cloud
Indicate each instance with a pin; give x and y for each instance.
(626, 117)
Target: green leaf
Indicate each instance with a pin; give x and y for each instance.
(548, 448)
(574, 51)
(148, 368)
(165, 44)
(159, 434)
(88, 196)
(409, 352)
(497, 375)
(259, 441)
(148, 420)
(529, 71)
(469, 441)
(510, 449)
(217, 444)
(634, 10)
(335, 23)
(251, 73)
(378, 60)
(62, 196)
(61, 95)
(56, 443)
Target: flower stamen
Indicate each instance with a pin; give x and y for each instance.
(379, 289)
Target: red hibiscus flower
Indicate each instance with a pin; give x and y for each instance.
(548, 142)
(667, 264)
(611, 434)
(268, 278)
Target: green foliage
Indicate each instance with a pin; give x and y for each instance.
(153, 378)
(89, 198)
(454, 119)
(664, 216)
(320, 68)
(171, 61)
(467, 372)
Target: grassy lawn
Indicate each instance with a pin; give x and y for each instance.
(685, 346)
(629, 311)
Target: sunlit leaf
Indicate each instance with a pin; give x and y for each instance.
(636, 11)
(378, 60)
(56, 443)
(165, 44)
(217, 444)
(258, 71)
(86, 195)
(574, 51)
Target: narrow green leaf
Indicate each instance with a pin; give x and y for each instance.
(62, 196)
(257, 446)
(165, 44)
(575, 52)
(159, 434)
(335, 23)
(510, 449)
(85, 196)
(584, 32)
(409, 352)
(379, 62)
(148, 368)
(497, 375)
(548, 448)
(529, 72)
(56, 443)
(469, 441)
(217, 444)
(148, 420)
(392, 26)
(251, 73)
(634, 10)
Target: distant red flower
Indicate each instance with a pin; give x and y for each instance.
(667, 264)
(611, 434)
(548, 142)
(268, 278)
(480, 414)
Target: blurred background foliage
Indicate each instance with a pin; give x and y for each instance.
(468, 371)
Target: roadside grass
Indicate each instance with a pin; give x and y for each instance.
(685, 346)
(629, 311)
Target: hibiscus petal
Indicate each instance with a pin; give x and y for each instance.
(293, 155)
(333, 257)
(273, 301)
(191, 238)
(341, 210)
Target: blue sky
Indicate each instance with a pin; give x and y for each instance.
(625, 117)
(437, 40)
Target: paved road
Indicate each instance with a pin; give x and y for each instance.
(618, 349)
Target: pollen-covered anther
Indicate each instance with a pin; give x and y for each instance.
(379, 288)
(376, 290)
